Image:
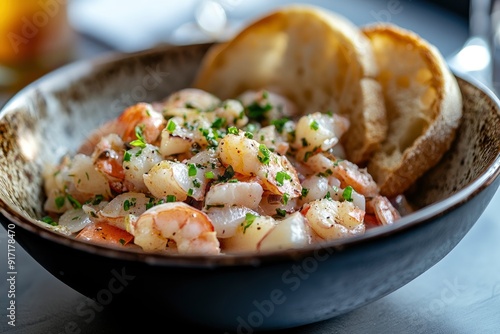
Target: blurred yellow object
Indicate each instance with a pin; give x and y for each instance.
(35, 37)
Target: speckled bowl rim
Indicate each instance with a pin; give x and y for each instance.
(378, 234)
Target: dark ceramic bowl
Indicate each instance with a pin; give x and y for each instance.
(240, 293)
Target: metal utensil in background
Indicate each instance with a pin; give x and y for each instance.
(475, 58)
(495, 32)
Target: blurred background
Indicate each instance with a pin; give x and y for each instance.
(37, 36)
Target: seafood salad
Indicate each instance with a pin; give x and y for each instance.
(194, 174)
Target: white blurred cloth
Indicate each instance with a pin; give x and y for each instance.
(128, 25)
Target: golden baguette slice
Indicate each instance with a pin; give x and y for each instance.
(318, 59)
(423, 103)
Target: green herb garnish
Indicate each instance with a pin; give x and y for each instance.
(249, 219)
(171, 126)
(347, 193)
(264, 154)
(232, 130)
(140, 141)
(127, 156)
(192, 171)
(74, 202)
(256, 111)
(49, 220)
(279, 124)
(314, 125)
(281, 176)
(281, 212)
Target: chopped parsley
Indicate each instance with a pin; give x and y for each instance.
(171, 198)
(210, 136)
(264, 154)
(218, 123)
(281, 212)
(97, 199)
(128, 204)
(74, 203)
(140, 141)
(314, 125)
(279, 124)
(192, 171)
(232, 130)
(49, 220)
(171, 126)
(256, 111)
(151, 203)
(307, 155)
(285, 198)
(249, 219)
(59, 201)
(347, 193)
(281, 176)
(228, 174)
(127, 156)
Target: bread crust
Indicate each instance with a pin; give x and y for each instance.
(318, 59)
(402, 159)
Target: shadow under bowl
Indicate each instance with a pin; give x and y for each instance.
(238, 292)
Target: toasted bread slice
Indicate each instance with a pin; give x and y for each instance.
(423, 103)
(318, 59)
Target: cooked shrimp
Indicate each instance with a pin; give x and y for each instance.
(194, 174)
(276, 205)
(176, 138)
(190, 229)
(250, 158)
(350, 174)
(139, 117)
(315, 187)
(119, 208)
(248, 234)
(293, 232)
(233, 112)
(203, 168)
(72, 183)
(191, 98)
(108, 159)
(384, 211)
(192, 130)
(319, 131)
(347, 172)
(332, 219)
(87, 178)
(248, 194)
(318, 186)
(142, 115)
(56, 180)
(168, 178)
(108, 156)
(270, 137)
(264, 105)
(137, 162)
(226, 219)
